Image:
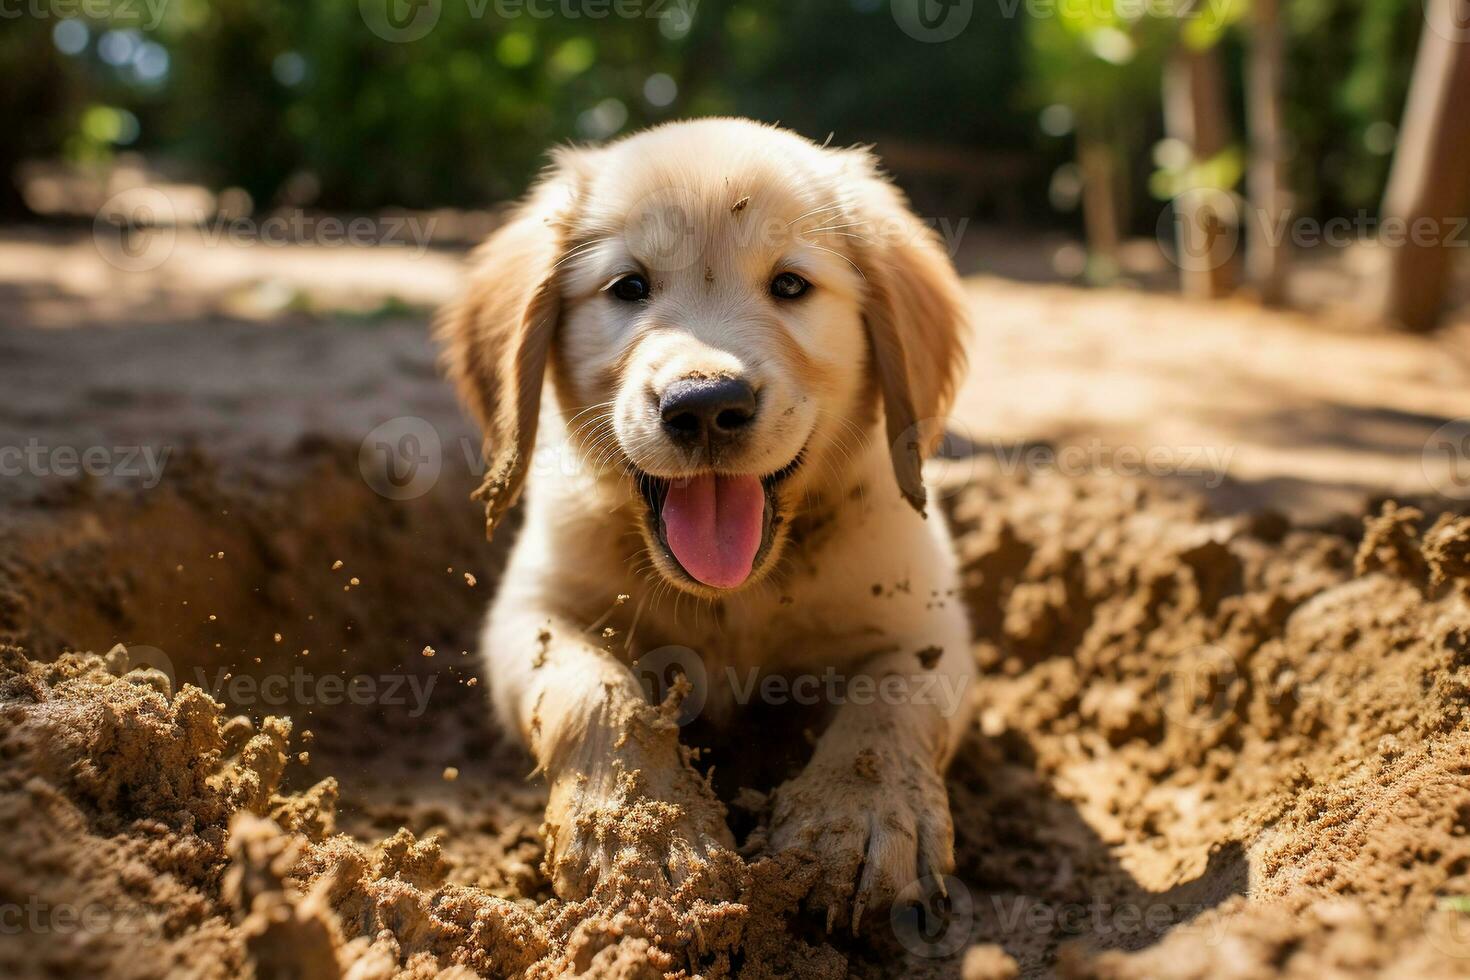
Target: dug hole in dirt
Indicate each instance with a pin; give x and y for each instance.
(1206, 747)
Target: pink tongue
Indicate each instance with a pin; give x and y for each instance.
(713, 525)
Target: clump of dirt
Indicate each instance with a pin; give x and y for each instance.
(1235, 747)
(135, 824)
(1206, 746)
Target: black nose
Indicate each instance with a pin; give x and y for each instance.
(696, 410)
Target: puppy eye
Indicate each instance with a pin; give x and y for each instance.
(788, 285)
(631, 288)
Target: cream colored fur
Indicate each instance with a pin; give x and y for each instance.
(855, 376)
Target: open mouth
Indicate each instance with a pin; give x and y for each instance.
(715, 526)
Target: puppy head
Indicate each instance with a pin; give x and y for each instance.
(721, 305)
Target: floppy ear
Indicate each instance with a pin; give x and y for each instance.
(497, 336)
(916, 319)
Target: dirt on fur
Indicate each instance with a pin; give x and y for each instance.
(1206, 747)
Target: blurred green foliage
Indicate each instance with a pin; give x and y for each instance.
(299, 101)
(1348, 66)
(271, 95)
(1350, 62)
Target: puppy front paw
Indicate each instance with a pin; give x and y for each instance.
(643, 832)
(874, 826)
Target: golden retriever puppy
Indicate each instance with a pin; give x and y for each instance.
(711, 356)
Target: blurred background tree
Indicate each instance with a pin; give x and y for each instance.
(1047, 112)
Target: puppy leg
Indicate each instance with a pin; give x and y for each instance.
(871, 803)
(626, 808)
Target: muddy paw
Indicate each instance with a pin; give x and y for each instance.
(628, 839)
(875, 827)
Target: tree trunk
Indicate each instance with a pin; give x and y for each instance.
(1099, 202)
(1429, 184)
(1195, 114)
(1268, 247)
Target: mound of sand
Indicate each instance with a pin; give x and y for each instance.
(1206, 747)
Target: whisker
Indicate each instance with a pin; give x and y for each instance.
(808, 214)
(840, 256)
(590, 408)
(578, 250)
(633, 626)
(849, 224)
(842, 234)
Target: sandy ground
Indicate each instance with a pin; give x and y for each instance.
(1221, 732)
(1310, 413)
